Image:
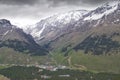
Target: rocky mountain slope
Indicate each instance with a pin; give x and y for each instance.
(79, 29)
(15, 38)
(50, 28)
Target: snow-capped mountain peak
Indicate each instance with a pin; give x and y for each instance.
(105, 9)
(65, 18)
(57, 25)
(56, 21)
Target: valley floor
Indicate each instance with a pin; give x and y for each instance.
(35, 73)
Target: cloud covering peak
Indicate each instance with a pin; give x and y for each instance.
(33, 10)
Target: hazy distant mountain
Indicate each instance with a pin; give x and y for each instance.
(15, 38)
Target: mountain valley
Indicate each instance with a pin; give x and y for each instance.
(85, 41)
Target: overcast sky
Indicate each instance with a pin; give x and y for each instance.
(24, 12)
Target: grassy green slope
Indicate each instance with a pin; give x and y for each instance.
(102, 45)
(100, 63)
(81, 61)
(10, 56)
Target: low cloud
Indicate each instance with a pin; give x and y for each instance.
(77, 2)
(29, 10)
(19, 2)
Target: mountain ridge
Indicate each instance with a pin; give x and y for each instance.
(13, 37)
(52, 34)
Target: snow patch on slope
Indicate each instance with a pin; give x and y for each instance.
(55, 22)
(6, 33)
(65, 18)
(96, 16)
(111, 10)
(73, 15)
(37, 33)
